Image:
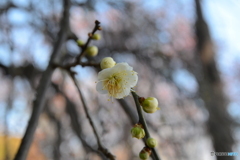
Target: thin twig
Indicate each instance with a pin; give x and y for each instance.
(76, 126)
(83, 53)
(71, 110)
(101, 148)
(142, 120)
(39, 102)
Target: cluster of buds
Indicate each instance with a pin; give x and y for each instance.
(146, 151)
(138, 132)
(149, 105)
(91, 51)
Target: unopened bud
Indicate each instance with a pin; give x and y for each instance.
(92, 51)
(80, 43)
(96, 36)
(145, 153)
(137, 131)
(107, 62)
(151, 142)
(150, 105)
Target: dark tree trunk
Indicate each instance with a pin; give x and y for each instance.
(219, 123)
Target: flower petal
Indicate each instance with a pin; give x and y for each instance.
(132, 78)
(122, 66)
(105, 73)
(129, 79)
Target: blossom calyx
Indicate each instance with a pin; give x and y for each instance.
(92, 51)
(145, 153)
(137, 131)
(107, 62)
(96, 36)
(151, 142)
(149, 105)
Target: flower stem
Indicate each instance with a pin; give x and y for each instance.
(142, 120)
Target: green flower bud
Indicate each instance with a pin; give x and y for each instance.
(92, 51)
(150, 105)
(145, 153)
(80, 43)
(107, 62)
(137, 131)
(151, 142)
(96, 36)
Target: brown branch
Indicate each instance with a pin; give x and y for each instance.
(38, 103)
(101, 148)
(142, 120)
(83, 53)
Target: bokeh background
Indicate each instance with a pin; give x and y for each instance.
(188, 60)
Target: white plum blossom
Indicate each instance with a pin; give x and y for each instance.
(117, 81)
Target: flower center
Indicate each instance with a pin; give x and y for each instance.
(113, 84)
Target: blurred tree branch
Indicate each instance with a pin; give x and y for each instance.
(58, 141)
(38, 103)
(101, 148)
(128, 110)
(77, 60)
(76, 126)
